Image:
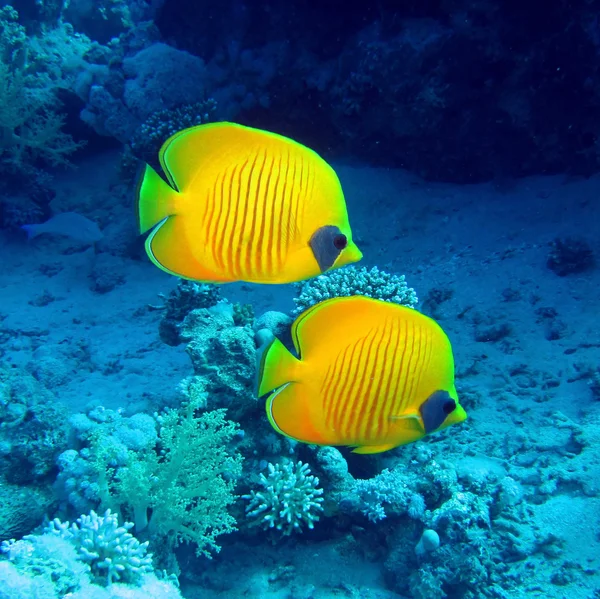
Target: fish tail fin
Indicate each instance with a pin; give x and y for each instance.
(156, 199)
(31, 230)
(277, 367)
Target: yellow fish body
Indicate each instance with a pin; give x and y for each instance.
(370, 374)
(243, 205)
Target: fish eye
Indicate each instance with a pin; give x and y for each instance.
(340, 242)
(449, 407)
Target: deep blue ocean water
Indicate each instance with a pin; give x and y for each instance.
(465, 137)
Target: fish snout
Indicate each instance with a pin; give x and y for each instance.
(349, 255)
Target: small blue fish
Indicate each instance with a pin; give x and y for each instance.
(69, 224)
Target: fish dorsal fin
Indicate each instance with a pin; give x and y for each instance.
(184, 153)
(302, 326)
(205, 147)
(309, 327)
(339, 316)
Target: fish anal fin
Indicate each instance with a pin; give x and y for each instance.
(177, 259)
(289, 412)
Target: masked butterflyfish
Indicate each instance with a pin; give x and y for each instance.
(243, 204)
(370, 374)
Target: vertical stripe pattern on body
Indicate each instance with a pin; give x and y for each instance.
(357, 397)
(353, 366)
(334, 384)
(250, 205)
(253, 212)
(374, 379)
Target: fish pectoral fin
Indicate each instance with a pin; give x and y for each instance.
(411, 422)
(367, 449)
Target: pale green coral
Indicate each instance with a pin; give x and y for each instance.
(181, 490)
(30, 121)
(13, 37)
(350, 281)
(173, 474)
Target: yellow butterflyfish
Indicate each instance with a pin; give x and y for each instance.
(243, 204)
(369, 374)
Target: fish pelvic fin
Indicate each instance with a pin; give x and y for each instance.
(277, 367)
(369, 449)
(156, 200)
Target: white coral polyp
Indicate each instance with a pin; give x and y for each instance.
(289, 498)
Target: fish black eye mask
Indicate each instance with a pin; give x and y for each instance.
(435, 409)
(327, 244)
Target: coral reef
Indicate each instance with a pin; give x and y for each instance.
(31, 122)
(23, 508)
(186, 296)
(49, 566)
(33, 431)
(223, 357)
(403, 71)
(155, 79)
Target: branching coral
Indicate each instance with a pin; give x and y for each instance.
(355, 281)
(289, 498)
(50, 565)
(160, 125)
(388, 493)
(30, 121)
(111, 551)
